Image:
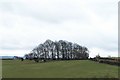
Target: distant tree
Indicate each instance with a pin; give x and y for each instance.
(59, 50)
(98, 56)
(109, 56)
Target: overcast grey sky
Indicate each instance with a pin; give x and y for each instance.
(26, 23)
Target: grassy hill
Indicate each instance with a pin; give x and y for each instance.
(58, 69)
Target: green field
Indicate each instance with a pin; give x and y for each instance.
(58, 69)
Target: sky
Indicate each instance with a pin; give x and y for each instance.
(24, 24)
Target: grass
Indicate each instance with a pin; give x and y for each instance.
(0, 69)
(58, 69)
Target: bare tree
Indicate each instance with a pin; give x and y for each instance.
(59, 50)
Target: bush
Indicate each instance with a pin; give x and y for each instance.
(106, 61)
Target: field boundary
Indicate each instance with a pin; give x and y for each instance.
(61, 79)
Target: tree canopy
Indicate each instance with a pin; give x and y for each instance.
(58, 50)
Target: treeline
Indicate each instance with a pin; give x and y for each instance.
(58, 50)
(107, 60)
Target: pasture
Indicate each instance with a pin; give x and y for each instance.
(57, 69)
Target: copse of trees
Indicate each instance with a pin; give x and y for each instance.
(58, 50)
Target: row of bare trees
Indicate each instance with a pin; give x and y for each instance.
(57, 50)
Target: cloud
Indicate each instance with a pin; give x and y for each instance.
(25, 24)
(102, 52)
(14, 52)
